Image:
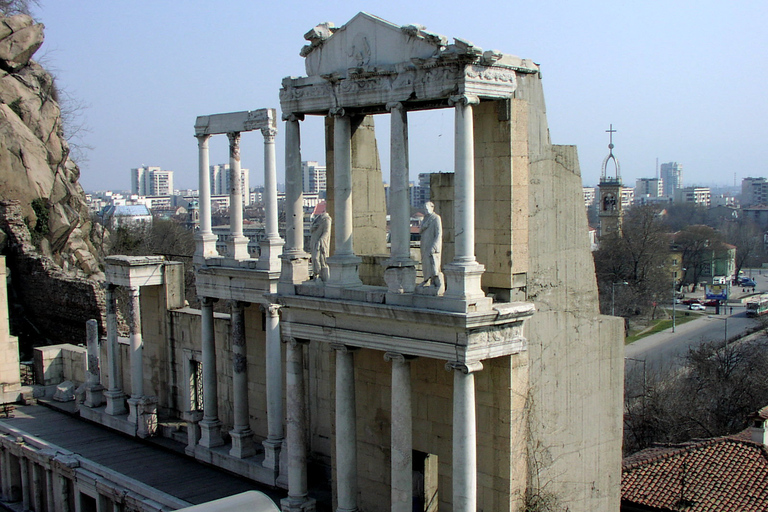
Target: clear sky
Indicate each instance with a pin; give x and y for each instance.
(680, 80)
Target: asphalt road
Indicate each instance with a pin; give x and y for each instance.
(666, 349)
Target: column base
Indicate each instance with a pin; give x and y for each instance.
(94, 396)
(237, 247)
(193, 430)
(297, 504)
(282, 476)
(210, 434)
(142, 412)
(242, 444)
(272, 454)
(400, 276)
(344, 273)
(269, 259)
(205, 247)
(115, 403)
(463, 290)
(294, 269)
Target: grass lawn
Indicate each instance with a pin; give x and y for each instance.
(662, 324)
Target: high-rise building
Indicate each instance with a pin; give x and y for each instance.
(313, 177)
(649, 187)
(672, 177)
(151, 181)
(701, 196)
(220, 182)
(421, 191)
(754, 191)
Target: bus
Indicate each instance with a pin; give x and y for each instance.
(758, 305)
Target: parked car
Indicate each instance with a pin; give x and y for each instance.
(697, 307)
(745, 281)
(713, 302)
(688, 302)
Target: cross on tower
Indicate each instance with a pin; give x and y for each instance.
(610, 131)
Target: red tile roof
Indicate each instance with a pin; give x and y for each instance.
(720, 474)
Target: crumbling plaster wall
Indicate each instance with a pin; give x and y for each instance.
(576, 354)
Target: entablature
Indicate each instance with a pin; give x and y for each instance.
(244, 282)
(463, 337)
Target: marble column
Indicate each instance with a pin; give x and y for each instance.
(237, 244)
(464, 272)
(37, 487)
(93, 388)
(295, 262)
(343, 265)
(5, 482)
(205, 240)
(296, 432)
(25, 491)
(402, 433)
(137, 348)
(464, 436)
(64, 494)
(241, 434)
(50, 499)
(346, 430)
(274, 374)
(210, 425)
(272, 244)
(114, 395)
(400, 273)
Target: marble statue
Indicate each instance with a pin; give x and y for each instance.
(320, 242)
(431, 246)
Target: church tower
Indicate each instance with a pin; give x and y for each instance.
(610, 212)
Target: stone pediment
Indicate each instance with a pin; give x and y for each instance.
(369, 63)
(366, 43)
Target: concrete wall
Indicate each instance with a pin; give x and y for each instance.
(56, 363)
(531, 231)
(368, 199)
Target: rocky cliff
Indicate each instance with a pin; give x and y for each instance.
(47, 233)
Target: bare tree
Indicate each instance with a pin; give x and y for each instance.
(700, 246)
(638, 256)
(713, 395)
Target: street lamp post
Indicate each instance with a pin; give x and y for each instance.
(613, 296)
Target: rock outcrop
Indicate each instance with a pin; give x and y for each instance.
(39, 182)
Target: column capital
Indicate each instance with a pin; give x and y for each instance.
(398, 357)
(202, 140)
(295, 342)
(344, 349)
(465, 367)
(133, 290)
(237, 303)
(208, 301)
(394, 105)
(463, 99)
(337, 112)
(293, 117)
(269, 134)
(271, 309)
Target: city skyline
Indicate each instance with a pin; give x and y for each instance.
(655, 71)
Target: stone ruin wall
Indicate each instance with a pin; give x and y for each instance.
(53, 280)
(56, 303)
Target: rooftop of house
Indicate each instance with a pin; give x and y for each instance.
(723, 473)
